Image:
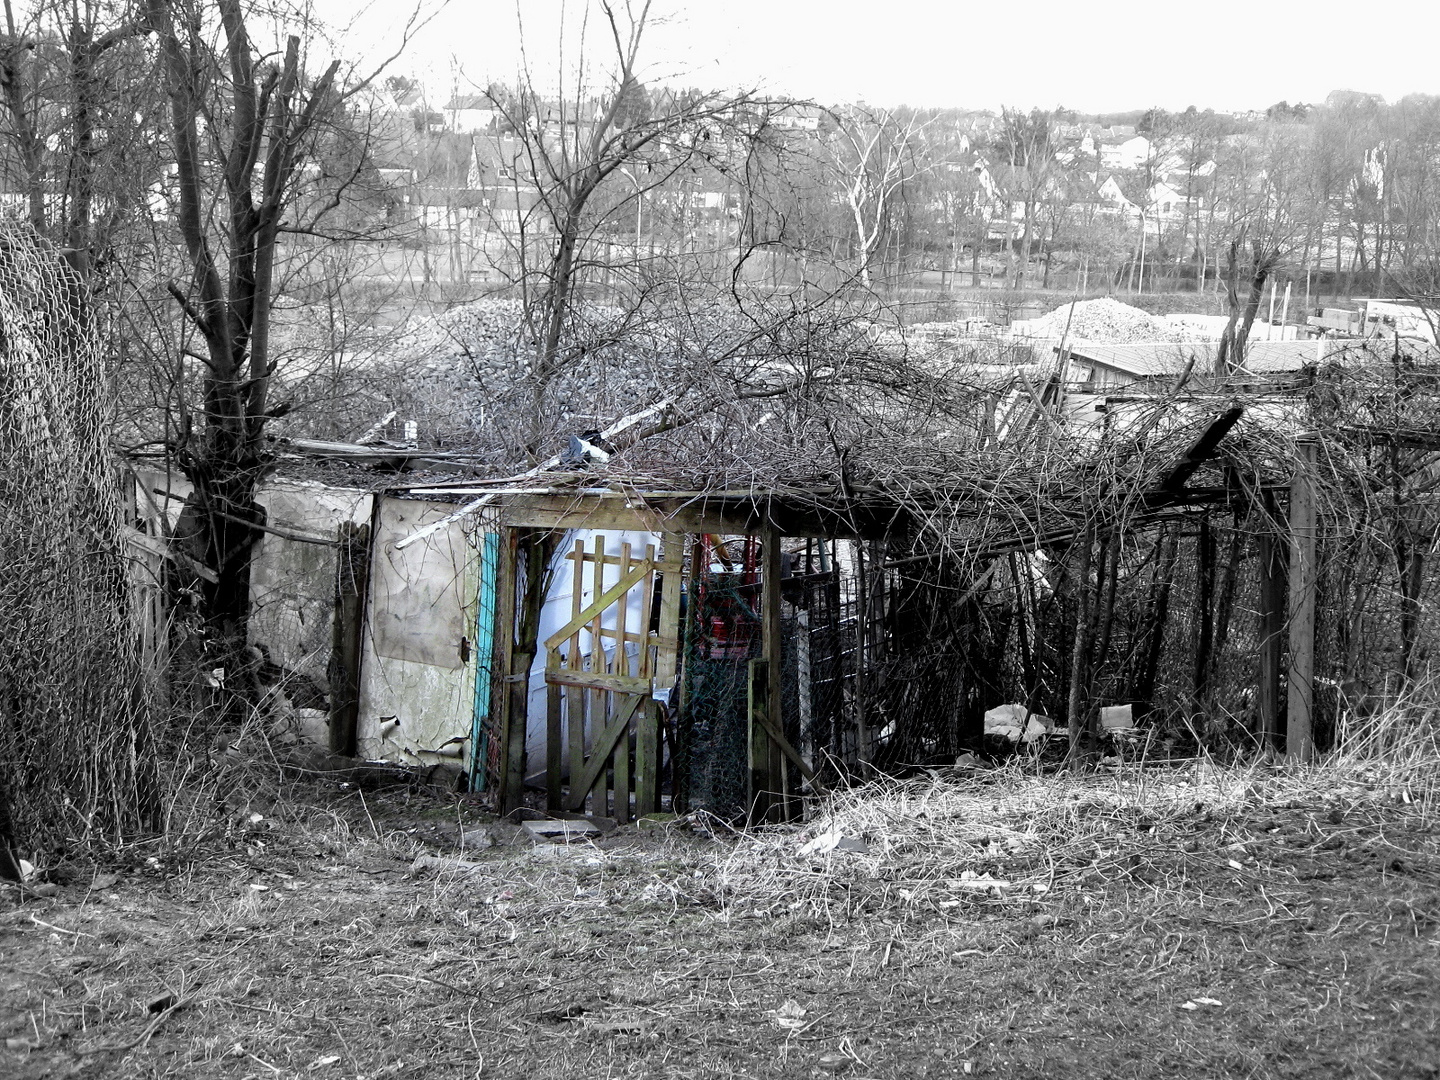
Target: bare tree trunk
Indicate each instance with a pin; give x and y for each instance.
(1159, 613)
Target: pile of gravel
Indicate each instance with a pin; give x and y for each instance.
(1105, 320)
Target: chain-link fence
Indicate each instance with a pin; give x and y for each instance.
(75, 761)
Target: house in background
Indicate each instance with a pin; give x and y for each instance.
(466, 114)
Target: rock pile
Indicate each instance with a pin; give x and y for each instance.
(1106, 320)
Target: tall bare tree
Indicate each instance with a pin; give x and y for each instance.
(241, 128)
(587, 157)
(874, 155)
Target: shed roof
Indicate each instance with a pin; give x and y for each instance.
(1150, 359)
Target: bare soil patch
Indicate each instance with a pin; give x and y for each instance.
(1186, 923)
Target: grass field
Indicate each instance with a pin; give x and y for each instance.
(1179, 922)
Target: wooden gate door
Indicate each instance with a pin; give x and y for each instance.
(609, 674)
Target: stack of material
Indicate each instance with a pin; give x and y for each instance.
(1105, 320)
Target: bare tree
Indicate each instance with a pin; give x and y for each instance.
(241, 127)
(873, 153)
(586, 158)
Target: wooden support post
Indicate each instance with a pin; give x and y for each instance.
(664, 670)
(1299, 736)
(621, 666)
(1075, 707)
(352, 572)
(757, 795)
(1272, 629)
(599, 715)
(508, 795)
(1204, 614)
(770, 627)
(575, 697)
(554, 728)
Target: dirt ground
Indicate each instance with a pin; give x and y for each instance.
(1190, 924)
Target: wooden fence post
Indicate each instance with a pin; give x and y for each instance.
(508, 795)
(1272, 628)
(352, 572)
(1299, 735)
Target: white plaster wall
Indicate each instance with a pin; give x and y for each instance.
(417, 688)
(292, 583)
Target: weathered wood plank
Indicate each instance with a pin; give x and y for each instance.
(554, 746)
(647, 723)
(575, 702)
(1299, 733)
(600, 753)
(505, 609)
(602, 601)
(770, 629)
(599, 681)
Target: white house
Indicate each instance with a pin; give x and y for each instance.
(470, 113)
(1130, 154)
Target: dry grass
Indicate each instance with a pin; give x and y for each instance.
(1304, 902)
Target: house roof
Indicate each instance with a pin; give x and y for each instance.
(1161, 358)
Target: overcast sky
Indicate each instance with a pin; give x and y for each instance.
(1222, 54)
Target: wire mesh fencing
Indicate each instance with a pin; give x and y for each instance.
(77, 765)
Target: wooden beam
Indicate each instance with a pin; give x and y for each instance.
(1272, 631)
(598, 680)
(770, 630)
(758, 795)
(1201, 451)
(1299, 730)
(352, 572)
(650, 717)
(508, 795)
(554, 717)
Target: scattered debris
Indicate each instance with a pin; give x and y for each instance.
(561, 830)
(969, 879)
(443, 865)
(1017, 723)
(477, 838)
(1117, 718)
(832, 840)
(789, 1016)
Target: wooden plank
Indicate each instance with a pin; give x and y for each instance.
(575, 702)
(600, 753)
(647, 724)
(602, 601)
(758, 791)
(667, 648)
(599, 681)
(770, 629)
(1272, 629)
(585, 512)
(508, 796)
(554, 745)
(786, 748)
(1299, 734)
(599, 700)
(352, 574)
(621, 757)
(620, 770)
